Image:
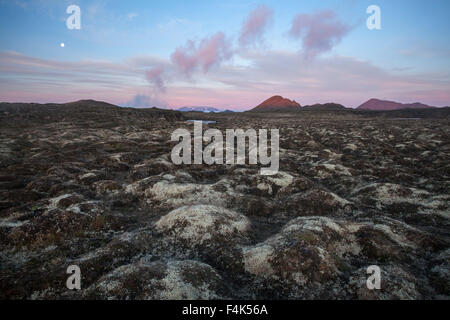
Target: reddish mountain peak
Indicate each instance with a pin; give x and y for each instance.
(277, 102)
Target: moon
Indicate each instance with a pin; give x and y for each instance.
(62, 44)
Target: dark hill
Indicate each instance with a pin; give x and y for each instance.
(83, 111)
(384, 105)
(325, 106)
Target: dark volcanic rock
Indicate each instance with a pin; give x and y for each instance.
(91, 184)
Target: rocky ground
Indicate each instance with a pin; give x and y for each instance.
(94, 186)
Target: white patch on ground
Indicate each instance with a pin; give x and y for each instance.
(439, 205)
(311, 230)
(256, 260)
(390, 193)
(341, 201)
(137, 188)
(313, 224)
(76, 208)
(281, 179)
(168, 177)
(177, 288)
(179, 194)
(6, 223)
(201, 223)
(327, 170)
(332, 155)
(87, 176)
(401, 241)
(53, 202)
(351, 146)
(173, 286)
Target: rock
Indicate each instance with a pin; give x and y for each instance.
(327, 170)
(107, 187)
(198, 224)
(94, 185)
(315, 202)
(271, 184)
(179, 194)
(440, 272)
(395, 284)
(305, 250)
(170, 280)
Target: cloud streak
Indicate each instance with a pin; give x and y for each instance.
(338, 79)
(319, 32)
(29, 79)
(255, 25)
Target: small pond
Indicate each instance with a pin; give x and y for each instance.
(203, 121)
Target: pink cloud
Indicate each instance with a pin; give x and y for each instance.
(253, 28)
(319, 32)
(211, 51)
(154, 76)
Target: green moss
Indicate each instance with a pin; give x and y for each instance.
(307, 237)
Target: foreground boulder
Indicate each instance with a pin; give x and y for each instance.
(311, 255)
(198, 224)
(160, 280)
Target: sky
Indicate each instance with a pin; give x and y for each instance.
(226, 54)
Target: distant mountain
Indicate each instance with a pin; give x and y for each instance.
(82, 110)
(199, 109)
(83, 105)
(325, 106)
(376, 104)
(427, 113)
(277, 103)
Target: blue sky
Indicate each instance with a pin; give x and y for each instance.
(130, 45)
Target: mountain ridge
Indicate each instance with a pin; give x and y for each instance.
(386, 105)
(325, 106)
